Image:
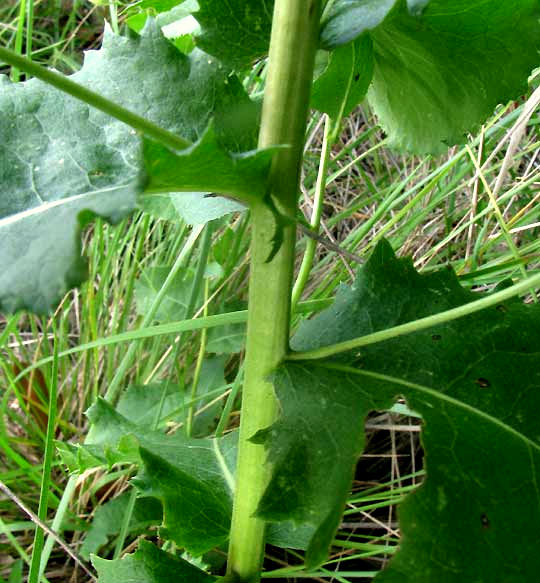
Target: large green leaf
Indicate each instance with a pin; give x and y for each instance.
(63, 162)
(198, 473)
(149, 565)
(439, 72)
(476, 383)
(236, 31)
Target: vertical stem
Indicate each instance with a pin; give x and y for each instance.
(15, 72)
(292, 51)
(320, 189)
(29, 28)
(39, 537)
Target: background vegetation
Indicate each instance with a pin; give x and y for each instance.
(476, 209)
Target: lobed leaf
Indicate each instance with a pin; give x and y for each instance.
(441, 66)
(197, 472)
(63, 162)
(149, 564)
(476, 383)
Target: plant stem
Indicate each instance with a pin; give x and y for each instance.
(199, 364)
(318, 199)
(483, 303)
(39, 537)
(292, 51)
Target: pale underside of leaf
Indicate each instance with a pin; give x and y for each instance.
(63, 162)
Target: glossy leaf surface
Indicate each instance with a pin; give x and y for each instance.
(476, 383)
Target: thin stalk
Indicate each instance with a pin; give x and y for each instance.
(68, 86)
(315, 222)
(19, 36)
(124, 527)
(226, 414)
(292, 51)
(115, 386)
(113, 12)
(199, 364)
(29, 28)
(39, 535)
(421, 324)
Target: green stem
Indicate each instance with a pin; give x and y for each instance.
(39, 537)
(29, 28)
(15, 72)
(421, 324)
(199, 364)
(290, 71)
(113, 13)
(115, 386)
(94, 99)
(315, 223)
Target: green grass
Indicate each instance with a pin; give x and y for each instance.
(437, 210)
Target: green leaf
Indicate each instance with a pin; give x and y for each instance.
(235, 31)
(345, 81)
(212, 377)
(476, 383)
(201, 520)
(441, 66)
(152, 405)
(108, 519)
(197, 472)
(175, 302)
(149, 565)
(197, 208)
(175, 20)
(348, 19)
(63, 162)
(206, 166)
(160, 206)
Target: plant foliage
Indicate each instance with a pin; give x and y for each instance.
(475, 382)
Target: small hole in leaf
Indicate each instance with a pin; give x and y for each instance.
(357, 77)
(436, 337)
(482, 383)
(485, 521)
